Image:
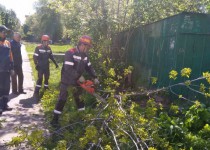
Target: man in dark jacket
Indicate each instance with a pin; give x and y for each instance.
(6, 67)
(41, 57)
(76, 62)
(17, 57)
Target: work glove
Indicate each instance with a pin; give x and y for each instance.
(81, 79)
(12, 72)
(37, 67)
(96, 81)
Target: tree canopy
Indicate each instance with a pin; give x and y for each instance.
(9, 18)
(45, 21)
(102, 18)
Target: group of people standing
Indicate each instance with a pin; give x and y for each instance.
(76, 62)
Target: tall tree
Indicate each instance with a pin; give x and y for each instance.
(9, 18)
(45, 21)
(102, 18)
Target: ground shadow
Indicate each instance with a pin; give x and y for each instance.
(29, 102)
(23, 119)
(11, 96)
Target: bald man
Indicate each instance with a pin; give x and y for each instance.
(17, 57)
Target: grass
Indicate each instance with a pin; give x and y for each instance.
(55, 48)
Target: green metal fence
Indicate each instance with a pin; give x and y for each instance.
(175, 43)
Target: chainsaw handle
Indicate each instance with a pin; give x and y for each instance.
(88, 86)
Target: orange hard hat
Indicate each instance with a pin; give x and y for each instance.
(85, 39)
(45, 38)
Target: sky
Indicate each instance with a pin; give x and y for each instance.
(21, 7)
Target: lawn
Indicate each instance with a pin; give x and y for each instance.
(55, 48)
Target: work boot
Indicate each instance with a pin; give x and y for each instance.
(46, 88)
(55, 122)
(36, 96)
(7, 108)
(15, 93)
(22, 92)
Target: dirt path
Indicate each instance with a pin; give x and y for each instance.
(25, 110)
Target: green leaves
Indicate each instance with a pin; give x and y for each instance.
(91, 135)
(173, 74)
(111, 72)
(154, 80)
(9, 19)
(123, 122)
(61, 145)
(207, 76)
(174, 108)
(186, 72)
(128, 70)
(36, 138)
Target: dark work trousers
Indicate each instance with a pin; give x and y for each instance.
(18, 74)
(42, 72)
(4, 89)
(63, 97)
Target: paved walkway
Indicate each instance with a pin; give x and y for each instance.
(25, 110)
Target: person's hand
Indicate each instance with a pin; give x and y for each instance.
(12, 72)
(96, 81)
(81, 79)
(37, 67)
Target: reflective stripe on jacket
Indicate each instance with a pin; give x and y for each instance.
(42, 55)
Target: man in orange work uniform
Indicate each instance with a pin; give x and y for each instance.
(6, 67)
(41, 57)
(76, 62)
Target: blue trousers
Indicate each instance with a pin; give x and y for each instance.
(4, 89)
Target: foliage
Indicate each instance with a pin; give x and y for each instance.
(44, 21)
(186, 72)
(173, 74)
(34, 138)
(121, 123)
(207, 76)
(154, 80)
(9, 19)
(102, 18)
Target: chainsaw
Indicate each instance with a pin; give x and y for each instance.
(89, 87)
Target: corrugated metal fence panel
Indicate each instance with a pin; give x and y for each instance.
(176, 42)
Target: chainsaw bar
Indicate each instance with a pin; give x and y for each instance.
(99, 97)
(89, 87)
